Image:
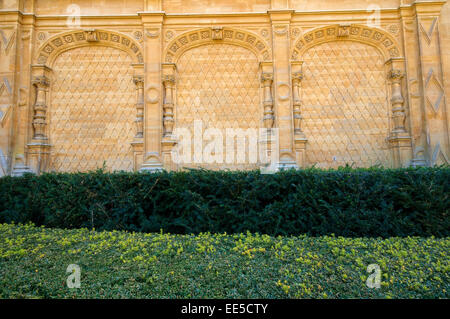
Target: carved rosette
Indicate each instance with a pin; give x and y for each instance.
(139, 82)
(397, 101)
(269, 118)
(297, 77)
(41, 83)
(168, 120)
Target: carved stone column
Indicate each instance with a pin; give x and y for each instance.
(269, 118)
(399, 139)
(169, 84)
(398, 110)
(300, 139)
(38, 150)
(138, 142)
(41, 84)
(169, 140)
(139, 82)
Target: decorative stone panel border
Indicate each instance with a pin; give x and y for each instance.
(361, 33)
(73, 39)
(199, 37)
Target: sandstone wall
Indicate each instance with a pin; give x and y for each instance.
(91, 82)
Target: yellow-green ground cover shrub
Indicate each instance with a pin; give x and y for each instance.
(33, 263)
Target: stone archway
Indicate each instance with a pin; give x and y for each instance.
(345, 105)
(327, 64)
(231, 90)
(218, 85)
(86, 112)
(92, 110)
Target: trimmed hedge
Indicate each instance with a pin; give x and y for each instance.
(346, 202)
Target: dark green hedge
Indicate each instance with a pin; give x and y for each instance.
(362, 202)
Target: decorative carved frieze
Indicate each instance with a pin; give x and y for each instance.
(194, 38)
(362, 33)
(217, 33)
(344, 31)
(91, 35)
(59, 43)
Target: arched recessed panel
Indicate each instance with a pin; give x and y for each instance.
(92, 110)
(219, 85)
(345, 105)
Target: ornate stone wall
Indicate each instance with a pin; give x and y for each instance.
(92, 110)
(345, 105)
(328, 83)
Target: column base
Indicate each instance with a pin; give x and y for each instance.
(419, 162)
(20, 170)
(402, 149)
(38, 156)
(138, 153)
(300, 142)
(152, 164)
(285, 165)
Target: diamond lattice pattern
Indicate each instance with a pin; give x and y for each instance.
(346, 112)
(219, 85)
(92, 110)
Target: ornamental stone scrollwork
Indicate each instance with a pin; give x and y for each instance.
(91, 35)
(73, 39)
(217, 33)
(381, 39)
(139, 82)
(41, 83)
(269, 118)
(191, 39)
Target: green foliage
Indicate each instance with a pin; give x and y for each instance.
(33, 263)
(347, 202)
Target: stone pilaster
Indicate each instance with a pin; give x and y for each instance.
(432, 147)
(280, 19)
(152, 22)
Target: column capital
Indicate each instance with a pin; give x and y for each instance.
(267, 78)
(41, 81)
(396, 75)
(138, 80)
